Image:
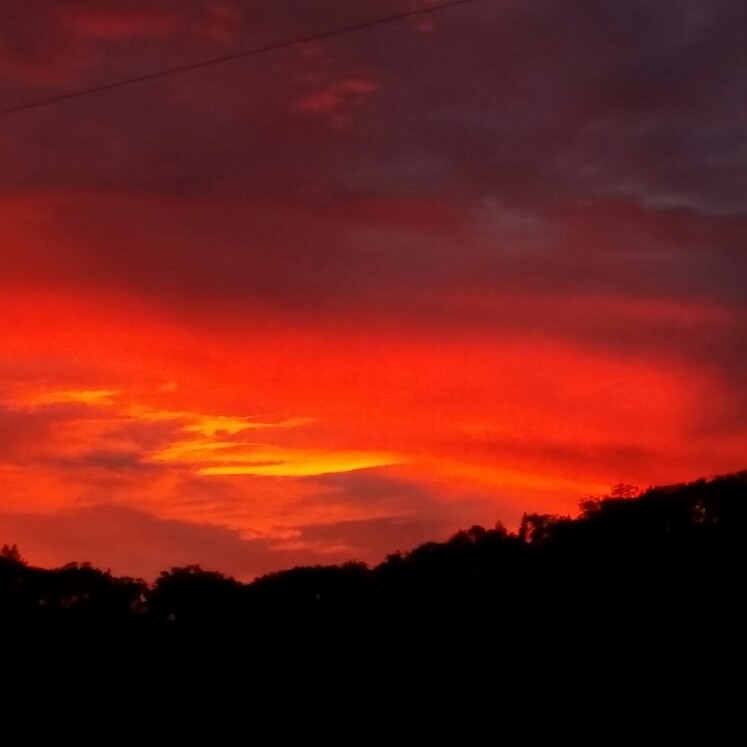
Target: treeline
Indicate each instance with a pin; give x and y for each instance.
(628, 615)
(669, 555)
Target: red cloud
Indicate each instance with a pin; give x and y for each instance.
(122, 23)
(51, 43)
(334, 101)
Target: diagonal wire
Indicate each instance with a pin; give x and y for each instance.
(227, 58)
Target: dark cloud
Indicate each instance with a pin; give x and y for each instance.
(372, 539)
(411, 512)
(593, 149)
(26, 430)
(522, 100)
(60, 45)
(107, 460)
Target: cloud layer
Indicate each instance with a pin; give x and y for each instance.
(486, 260)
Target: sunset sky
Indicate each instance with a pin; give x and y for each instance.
(331, 301)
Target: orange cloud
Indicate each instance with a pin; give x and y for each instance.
(200, 441)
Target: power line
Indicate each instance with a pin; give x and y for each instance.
(234, 56)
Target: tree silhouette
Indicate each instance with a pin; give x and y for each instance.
(658, 571)
(11, 552)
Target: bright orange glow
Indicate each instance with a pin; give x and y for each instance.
(295, 464)
(243, 458)
(143, 425)
(194, 430)
(84, 397)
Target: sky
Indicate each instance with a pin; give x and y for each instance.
(335, 300)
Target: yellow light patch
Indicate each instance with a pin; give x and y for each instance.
(102, 397)
(305, 464)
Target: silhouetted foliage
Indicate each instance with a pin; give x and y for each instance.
(190, 596)
(635, 577)
(11, 552)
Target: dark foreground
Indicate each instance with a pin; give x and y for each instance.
(636, 605)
